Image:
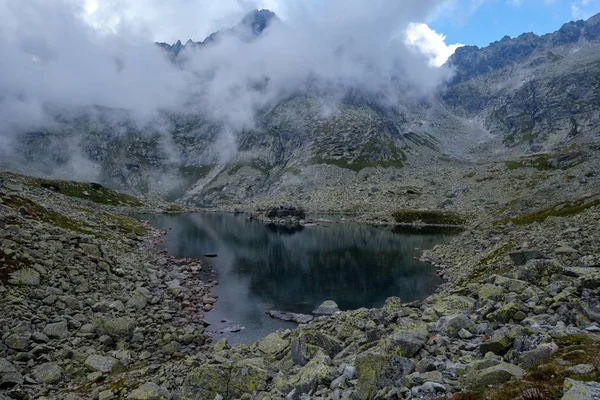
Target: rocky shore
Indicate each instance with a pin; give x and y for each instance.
(92, 310)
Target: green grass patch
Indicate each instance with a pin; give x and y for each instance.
(93, 192)
(429, 217)
(564, 209)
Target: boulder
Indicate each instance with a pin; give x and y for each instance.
(285, 212)
(18, 341)
(495, 375)
(575, 390)
(117, 328)
(376, 370)
(57, 330)
(273, 346)
(404, 344)
(539, 271)
(25, 277)
(453, 324)
(47, 373)
(285, 316)
(520, 257)
(501, 340)
(150, 391)
(100, 363)
(329, 344)
(540, 353)
(230, 379)
(328, 307)
(9, 376)
(589, 261)
(91, 249)
(139, 299)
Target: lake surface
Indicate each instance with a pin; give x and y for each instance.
(264, 267)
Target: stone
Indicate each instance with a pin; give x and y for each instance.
(582, 369)
(150, 391)
(273, 346)
(9, 376)
(539, 271)
(100, 363)
(489, 291)
(91, 249)
(537, 355)
(47, 373)
(328, 307)
(376, 370)
(235, 379)
(58, 330)
(565, 250)
(284, 316)
(433, 387)
(171, 347)
(117, 328)
(330, 345)
(589, 261)
(25, 277)
(575, 390)
(452, 324)
(495, 375)
(139, 299)
(520, 257)
(107, 395)
(404, 344)
(18, 341)
(501, 340)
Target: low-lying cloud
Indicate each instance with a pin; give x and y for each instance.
(55, 57)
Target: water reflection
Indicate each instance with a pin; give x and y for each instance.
(261, 267)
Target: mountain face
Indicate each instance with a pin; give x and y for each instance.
(525, 96)
(251, 27)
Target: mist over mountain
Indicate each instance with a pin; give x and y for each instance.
(314, 108)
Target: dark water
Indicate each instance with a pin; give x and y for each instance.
(262, 267)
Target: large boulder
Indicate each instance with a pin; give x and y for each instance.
(229, 380)
(25, 277)
(100, 363)
(540, 271)
(47, 373)
(57, 330)
(452, 324)
(405, 344)
(274, 346)
(521, 257)
(9, 376)
(500, 342)
(575, 390)
(116, 328)
(376, 370)
(328, 307)
(495, 375)
(150, 391)
(539, 354)
(329, 344)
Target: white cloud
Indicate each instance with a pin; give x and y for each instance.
(430, 43)
(584, 9)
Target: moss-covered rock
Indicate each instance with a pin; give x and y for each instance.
(230, 380)
(273, 346)
(376, 370)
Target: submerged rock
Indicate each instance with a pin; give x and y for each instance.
(328, 307)
(285, 316)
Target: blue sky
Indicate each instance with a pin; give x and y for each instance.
(480, 22)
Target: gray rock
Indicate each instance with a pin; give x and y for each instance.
(499, 343)
(18, 341)
(520, 257)
(539, 271)
(404, 343)
(575, 390)
(497, 374)
(540, 353)
(100, 363)
(433, 387)
(9, 376)
(25, 277)
(47, 373)
(328, 307)
(453, 324)
(150, 391)
(582, 369)
(285, 316)
(58, 330)
(589, 261)
(117, 328)
(139, 299)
